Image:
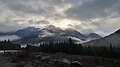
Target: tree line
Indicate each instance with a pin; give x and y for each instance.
(7, 45)
(71, 48)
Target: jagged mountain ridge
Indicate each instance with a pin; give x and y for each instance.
(50, 33)
(26, 31)
(113, 39)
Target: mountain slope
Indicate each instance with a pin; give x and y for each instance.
(113, 39)
(74, 33)
(26, 31)
(93, 35)
(52, 33)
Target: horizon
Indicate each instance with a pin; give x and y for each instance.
(62, 29)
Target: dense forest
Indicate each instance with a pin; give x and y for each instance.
(76, 49)
(66, 47)
(7, 45)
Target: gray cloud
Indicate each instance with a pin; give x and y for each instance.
(39, 22)
(9, 26)
(42, 22)
(91, 9)
(100, 16)
(21, 7)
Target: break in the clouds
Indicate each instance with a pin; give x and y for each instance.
(100, 16)
(38, 22)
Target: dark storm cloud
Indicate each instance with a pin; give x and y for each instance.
(91, 9)
(21, 6)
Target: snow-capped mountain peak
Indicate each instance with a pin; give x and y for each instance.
(51, 33)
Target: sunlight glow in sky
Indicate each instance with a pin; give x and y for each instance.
(86, 16)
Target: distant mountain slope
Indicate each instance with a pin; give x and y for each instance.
(74, 33)
(113, 39)
(51, 33)
(93, 35)
(26, 31)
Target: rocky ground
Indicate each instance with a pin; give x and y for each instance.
(54, 60)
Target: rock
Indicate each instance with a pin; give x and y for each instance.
(28, 65)
(76, 64)
(66, 61)
(60, 55)
(62, 62)
(38, 56)
(100, 66)
(45, 58)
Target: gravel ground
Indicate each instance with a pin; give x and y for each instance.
(48, 60)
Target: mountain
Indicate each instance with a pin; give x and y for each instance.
(93, 35)
(26, 31)
(53, 29)
(113, 39)
(74, 33)
(51, 33)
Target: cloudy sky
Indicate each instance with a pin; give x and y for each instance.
(100, 16)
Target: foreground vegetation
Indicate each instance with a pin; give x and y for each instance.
(76, 49)
(7, 45)
(48, 54)
(66, 47)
